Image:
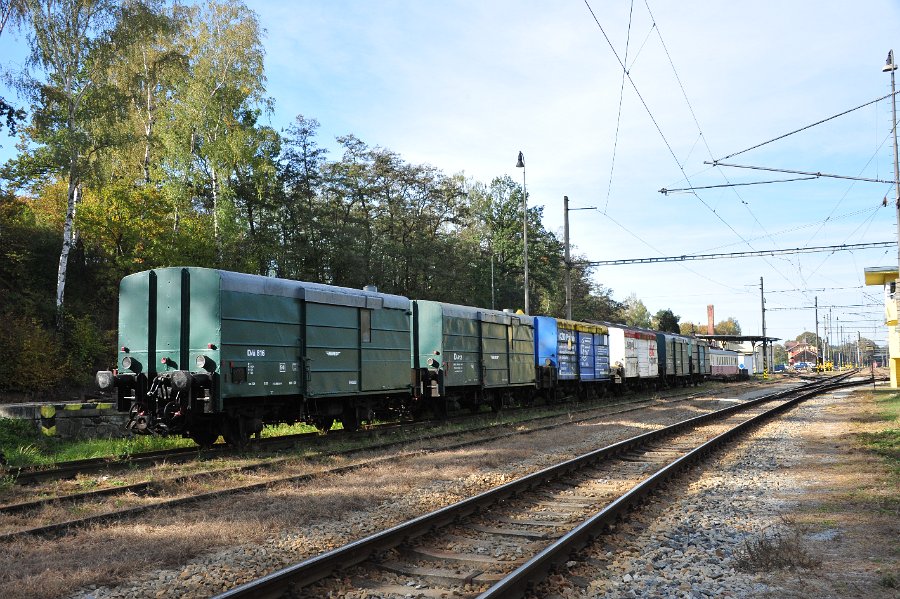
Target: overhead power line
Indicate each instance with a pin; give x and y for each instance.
(665, 191)
(826, 307)
(793, 172)
(805, 290)
(806, 250)
(805, 128)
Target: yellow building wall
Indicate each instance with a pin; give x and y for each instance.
(887, 276)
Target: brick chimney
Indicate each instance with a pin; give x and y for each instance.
(710, 320)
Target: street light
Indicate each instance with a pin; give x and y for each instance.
(521, 164)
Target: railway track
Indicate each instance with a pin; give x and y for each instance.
(157, 488)
(29, 475)
(500, 542)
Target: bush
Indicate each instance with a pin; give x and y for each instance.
(31, 359)
(89, 349)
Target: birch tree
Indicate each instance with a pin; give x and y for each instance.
(226, 80)
(69, 49)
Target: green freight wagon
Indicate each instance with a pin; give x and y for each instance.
(471, 355)
(206, 352)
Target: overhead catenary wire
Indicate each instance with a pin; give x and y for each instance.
(679, 163)
(687, 100)
(755, 253)
(653, 118)
(612, 164)
(659, 129)
(665, 191)
(795, 172)
(774, 139)
(820, 307)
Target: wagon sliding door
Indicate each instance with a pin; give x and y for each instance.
(494, 349)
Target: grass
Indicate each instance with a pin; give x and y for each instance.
(22, 445)
(886, 443)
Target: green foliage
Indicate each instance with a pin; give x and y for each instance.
(636, 313)
(88, 347)
(690, 328)
(31, 356)
(666, 320)
(779, 354)
(886, 442)
(728, 327)
(807, 337)
(145, 148)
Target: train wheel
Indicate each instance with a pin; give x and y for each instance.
(350, 419)
(323, 424)
(236, 433)
(204, 436)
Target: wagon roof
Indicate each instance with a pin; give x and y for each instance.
(311, 292)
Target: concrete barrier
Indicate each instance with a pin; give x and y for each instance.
(70, 420)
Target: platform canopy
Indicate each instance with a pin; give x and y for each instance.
(879, 275)
(739, 338)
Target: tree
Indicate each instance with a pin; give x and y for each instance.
(72, 107)
(807, 337)
(207, 135)
(636, 313)
(666, 321)
(728, 327)
(779, 354)
(12, 12)
(147, 73)
(301, 224)
(692, 328)
(591, 300)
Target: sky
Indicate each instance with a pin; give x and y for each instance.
(464, 85)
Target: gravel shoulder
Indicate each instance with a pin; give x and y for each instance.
(797, 509)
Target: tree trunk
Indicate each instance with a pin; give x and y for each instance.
(215, 195)
(68, 241)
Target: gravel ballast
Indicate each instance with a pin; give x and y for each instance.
(686, 547)
(699, 536)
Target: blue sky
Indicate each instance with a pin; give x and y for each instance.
(465, 85)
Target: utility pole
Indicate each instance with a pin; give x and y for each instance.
(840, 342)
(762, 298)
(818, 355)
(858, 353)
(891, 67)
(829, 340)
(568, 258)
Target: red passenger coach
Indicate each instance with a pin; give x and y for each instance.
(724, 363)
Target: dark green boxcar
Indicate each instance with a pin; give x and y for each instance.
(247, 340)
(473, 347)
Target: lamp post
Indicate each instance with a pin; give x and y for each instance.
(521, 164)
